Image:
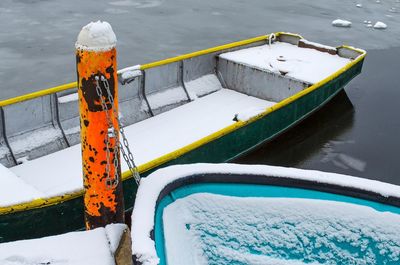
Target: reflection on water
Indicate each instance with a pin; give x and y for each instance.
(357, 133)
(309, 137)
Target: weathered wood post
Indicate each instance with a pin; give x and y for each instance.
(98, 107)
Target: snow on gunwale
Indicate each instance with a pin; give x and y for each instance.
(149, 189)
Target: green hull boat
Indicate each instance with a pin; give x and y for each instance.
(212, 105)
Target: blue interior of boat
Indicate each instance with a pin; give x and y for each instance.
(252, 190)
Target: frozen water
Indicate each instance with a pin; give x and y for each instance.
(164, 29)
(231, 230)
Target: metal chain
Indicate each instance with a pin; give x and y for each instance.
(271, 38)
(124, 146)
(111, 133)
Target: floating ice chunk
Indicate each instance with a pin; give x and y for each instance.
(380, 25)
(341, 23)
(393, 10)
(359, 5)
(378, 1)
(368, 23)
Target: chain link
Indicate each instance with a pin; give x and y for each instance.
(124, 146)
(111, 133)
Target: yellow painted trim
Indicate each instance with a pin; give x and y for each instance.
(39, 203)
(203, 52)
(71, 85)
(37, 94)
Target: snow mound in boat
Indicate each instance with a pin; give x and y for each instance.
(305, 64)
(207, 228)
(150, 188)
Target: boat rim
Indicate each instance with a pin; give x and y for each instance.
(162, 183)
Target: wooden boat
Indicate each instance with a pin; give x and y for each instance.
(208, 106)
(251, 214)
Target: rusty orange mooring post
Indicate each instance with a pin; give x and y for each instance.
(98, 108)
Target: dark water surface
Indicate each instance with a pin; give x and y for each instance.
(357, 133)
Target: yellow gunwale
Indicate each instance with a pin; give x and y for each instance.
(40, 202)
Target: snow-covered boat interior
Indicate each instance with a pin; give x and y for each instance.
(163, 108)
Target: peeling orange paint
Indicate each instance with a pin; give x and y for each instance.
(103, 205)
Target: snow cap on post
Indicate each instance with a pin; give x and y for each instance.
(96, 36)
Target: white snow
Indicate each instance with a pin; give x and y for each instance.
(249, 113)
(207, 227)
(359, 5)
(166, 97)
(39, 137)
(202, 86)
(77, 248)
(131, 74)
(380, 25)
(23, 159)
(68, 98)
(150, 188)
(341, 23)
(61, 172)
(318, 45)
(128, 69)
(179, 127)
(54, 174)
(14, 190)
(304, 64)
(3, 150)
(96, 36)
(114, 234)
(72, 130)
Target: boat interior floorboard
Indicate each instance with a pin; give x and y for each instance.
(61, 172)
